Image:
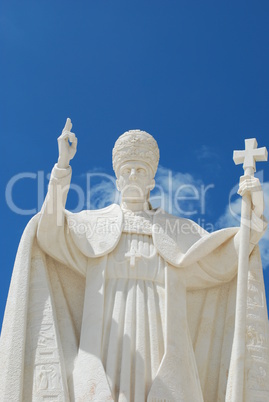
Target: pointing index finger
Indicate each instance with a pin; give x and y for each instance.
(68, 125)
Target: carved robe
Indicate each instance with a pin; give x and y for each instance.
(154, 320)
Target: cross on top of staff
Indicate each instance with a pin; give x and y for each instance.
(250, 155)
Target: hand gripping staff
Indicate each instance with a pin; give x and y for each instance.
(235, 388)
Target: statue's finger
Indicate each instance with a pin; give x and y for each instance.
(68, 125)
(72, 137)
(74, 143)
(64, 135)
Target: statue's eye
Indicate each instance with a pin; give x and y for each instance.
(142, 171)
(126, 171)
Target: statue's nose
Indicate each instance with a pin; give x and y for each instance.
(133, 174)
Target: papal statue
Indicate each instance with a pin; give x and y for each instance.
(131, 304)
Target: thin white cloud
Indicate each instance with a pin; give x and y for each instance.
(208, 158)
(177, 193)
(231, 216)
(102, 194)
(206, 152)
(93, 170)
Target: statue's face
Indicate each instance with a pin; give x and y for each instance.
(135, 181)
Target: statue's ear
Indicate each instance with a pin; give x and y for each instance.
(118, 185)
(152, 185)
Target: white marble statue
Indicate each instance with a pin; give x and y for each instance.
(127, 303)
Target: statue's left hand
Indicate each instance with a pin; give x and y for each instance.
(252, 184)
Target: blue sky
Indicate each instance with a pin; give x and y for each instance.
(194, 74)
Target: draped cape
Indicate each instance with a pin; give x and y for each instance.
(42, 324)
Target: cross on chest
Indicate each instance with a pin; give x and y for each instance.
(133, 254)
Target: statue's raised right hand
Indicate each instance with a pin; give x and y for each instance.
(67, 145)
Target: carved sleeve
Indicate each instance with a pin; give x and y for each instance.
(219, 264)
(52, 234)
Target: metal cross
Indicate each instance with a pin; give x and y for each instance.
(133, 254)
(250, 155)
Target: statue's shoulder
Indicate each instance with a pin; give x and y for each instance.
(178, 225)
(96, 232)
(110, 210)
(173, 235)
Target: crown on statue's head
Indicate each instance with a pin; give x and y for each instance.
(136, 145)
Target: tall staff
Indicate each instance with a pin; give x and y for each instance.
(235, 391)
